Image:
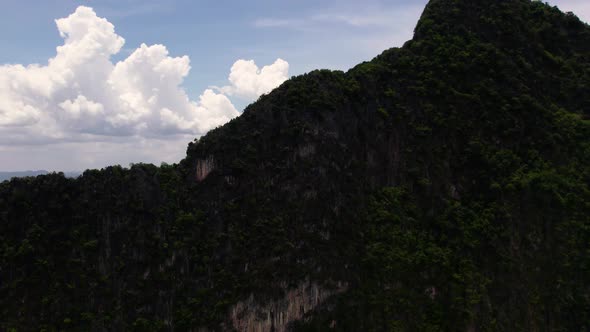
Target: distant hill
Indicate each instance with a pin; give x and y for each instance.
(20, 174)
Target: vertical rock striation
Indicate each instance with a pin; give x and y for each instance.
(204, 167)
(276, 315)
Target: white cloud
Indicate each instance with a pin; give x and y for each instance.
(215, 105)
(80, 91)
(249, 81)
(81, 98)
(81, 114)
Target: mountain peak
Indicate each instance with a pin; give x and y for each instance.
(510, 23)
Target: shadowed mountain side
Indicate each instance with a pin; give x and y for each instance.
(441, 186)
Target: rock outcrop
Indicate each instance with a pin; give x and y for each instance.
(250, 316)
(204, 167)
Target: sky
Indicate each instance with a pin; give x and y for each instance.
(86, 84)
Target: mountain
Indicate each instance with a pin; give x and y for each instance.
(441, 186)
(9, 175)
(20, 174)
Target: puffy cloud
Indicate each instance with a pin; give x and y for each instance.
(81, 105)
(249, 81)
(82, 100)
(81, 114)
(216, 106)
(80, 91)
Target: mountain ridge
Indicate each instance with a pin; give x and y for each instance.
(7, 175)
(441, 186)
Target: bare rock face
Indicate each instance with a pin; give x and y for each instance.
(250, 316)
(204, 167)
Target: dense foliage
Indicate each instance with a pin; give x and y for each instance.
(445, 182)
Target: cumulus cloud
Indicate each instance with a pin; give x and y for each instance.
(82, 97)
(249, 81)
(82, 110)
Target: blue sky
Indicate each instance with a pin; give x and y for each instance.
(66, 124)
(216, 33)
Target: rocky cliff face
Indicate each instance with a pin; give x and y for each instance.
(277, 315)
(204, 167)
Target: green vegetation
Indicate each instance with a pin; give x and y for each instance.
(445, 182)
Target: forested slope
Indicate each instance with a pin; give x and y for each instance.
(441, 186)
